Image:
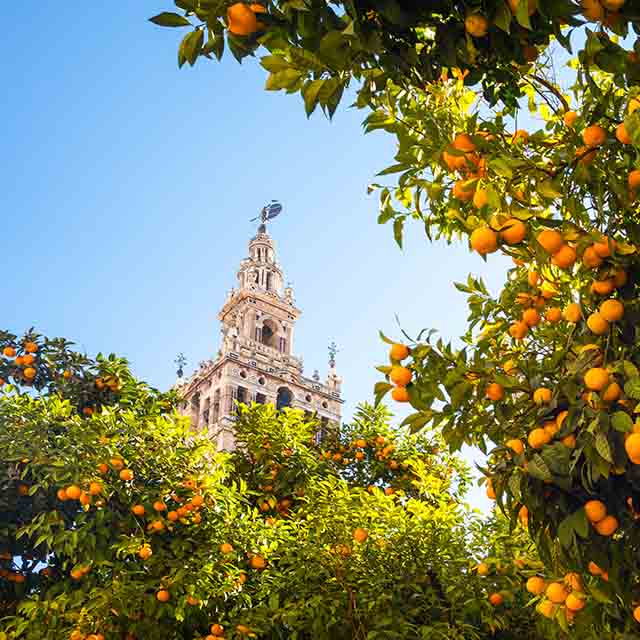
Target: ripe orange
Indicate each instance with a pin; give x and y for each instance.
(612, 393)
(632, 447)
(476, 25)
(636, 614)
(197, 500)
(257, 562)
(553, 314)
(126, 475)
(591, 259)
(95, 488)
(523, 516)
(518, 330)
(604, 247)
(518, 135)
(102, 468)
(88, 411)
(163, 595)
(597, 324)
(570, 118)
(484, 240)
(531, 317)
(242, 629)
(400, 376)
(9, 352)
(536, 585)
(574, 603)
(612, 310)
(158, 505)
(400, 394)
(145, 552)
(596, 379)
(634, 179)
(574, 580)
(463, 142)
(480, 198)
(634, 104)
(595, 510)
(138, 509)
(495, 392)
(572, 312)
(594, 569)
(496, 599)
(542, 396)
(585, 155)
(603, 287)
(593, 136)
(556, 592)
(513, 231)
(533, 278)
(226, 548)
(538, 437)
(569, 441)
(216, 629)
(565, 257)
(117, 463)
(516, 446)
(607, 526)
(30, 347)
(547, 608)
(241, 19)
(482, 569)
(172, 516)
(398, 352)
(622, 134)
(73, 492)
(360, 534)
(463, 190)
(550, 240)
(551, 427)
(62, 495)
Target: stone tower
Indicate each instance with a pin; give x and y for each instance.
(255, 362)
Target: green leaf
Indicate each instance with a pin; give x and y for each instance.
(283, 79)
(603, 447)
(502, 18)
(621, 421)
(537, 468)
(170, 19)
(380, 390)
(398, 228)
(632, 388)
(310, 93)
(193, 45)
(566, 533)
(273, 64)
(501, 167)
(522, 14)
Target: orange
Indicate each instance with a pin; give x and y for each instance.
(510, 368)
(400, 376)
(553, 314)
(593, 136)
(172, 516)
(594, 569)
(536, 585)
(572, 312)
(569, 441)
(634, 179)
(596, 379)
(518, 330)
(476, 25)
(62, 495)
(159, 506)
(145, 552)
(636, 614)
(463, 142)
(542, 396)
(550, 240)
(484, 240)
(570, 118)
(29, 373)
(533, 278)
(607, 526)
(631, 446)
(597, 324)
(241, 19)
(496, 599)
(574, 603)
(551, 427)
(117, 463)
(560, 418)
(516, 446)
(495, 392)
(532, 6)
(28, 359)
(603, 287)
(216, 629)
(197, 500)
(163, 595)
(523, 516)
(622, 134)
(604, 247)
(157, 525)
(226, 548)
(574, 580)
(243, 629)
(480, 198)
(360, 535)
(513, 231)
(634, 104)
(612, 393)
(531, 317)
(482, 569)
(491, 493)
(537, 438)
(102, 468)
(591, 259)
(463, 190)
(518, 135)
(398, 352)
(257, 562)
(400, 394)
(73, 492)
(612, 310)
(360, 454)
(556, 592)
(30, 347)
(585, 155)
(595, 510)
(138, 509)
(565, 257)
(126, 475)
(95, 488)
(547, 608)
(9, 352)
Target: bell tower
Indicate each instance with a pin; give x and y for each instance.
(256, 361)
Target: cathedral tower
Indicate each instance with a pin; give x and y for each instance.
(256, 361)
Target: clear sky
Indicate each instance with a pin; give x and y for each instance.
(127, 188)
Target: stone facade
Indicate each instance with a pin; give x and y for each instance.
(255, 362)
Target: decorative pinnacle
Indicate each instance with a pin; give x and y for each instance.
(180, 362)
(333, 350)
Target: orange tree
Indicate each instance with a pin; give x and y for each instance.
(547, 379)
(122, 522)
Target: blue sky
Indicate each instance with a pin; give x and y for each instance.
(128, 186)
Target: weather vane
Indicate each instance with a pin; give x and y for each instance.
(180, 361)
(333, 350)
(268, 212)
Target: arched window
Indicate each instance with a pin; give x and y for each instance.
(284, 398)
(268, 337)
(269, 280)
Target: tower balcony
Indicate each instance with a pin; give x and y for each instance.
(274, 354)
